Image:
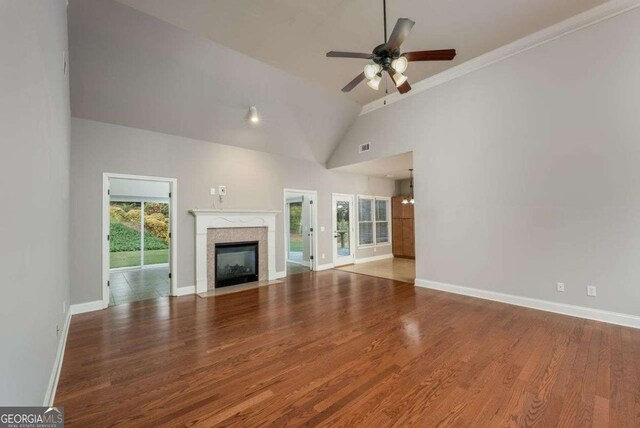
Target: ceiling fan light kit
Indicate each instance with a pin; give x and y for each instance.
(388, 58)
(374, 82)
(399, 79)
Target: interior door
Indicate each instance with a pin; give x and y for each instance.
(343, 229)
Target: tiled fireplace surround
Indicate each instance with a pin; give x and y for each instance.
(236, 234)
(223, 226)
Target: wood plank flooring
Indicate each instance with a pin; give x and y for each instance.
(341, 349)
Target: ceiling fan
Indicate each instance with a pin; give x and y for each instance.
(387, 57)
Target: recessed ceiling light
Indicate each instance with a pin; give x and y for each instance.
(253, 115)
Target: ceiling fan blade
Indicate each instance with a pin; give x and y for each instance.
(439, 55)
(404, 88)
(399, 33)
(335, 54)
(359, 78)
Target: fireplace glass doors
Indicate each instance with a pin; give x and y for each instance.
(236, 263)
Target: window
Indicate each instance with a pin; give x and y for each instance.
(365, 221)
(373, 220)
(382, 221)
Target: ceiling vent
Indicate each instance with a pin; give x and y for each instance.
(364, 147)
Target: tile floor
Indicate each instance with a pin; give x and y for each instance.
(397, 268)
(140, 284)
(294, 268)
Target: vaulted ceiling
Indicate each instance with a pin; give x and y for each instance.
(294, 35)
(129, 68)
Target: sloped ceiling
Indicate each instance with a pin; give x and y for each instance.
(131, 69)
(396, 167)
(294, 35)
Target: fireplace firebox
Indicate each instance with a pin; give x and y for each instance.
(236, 263)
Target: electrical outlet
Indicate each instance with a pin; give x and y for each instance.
(322, 256)
(591, 290)
(375, 249)
(560, 286)
(222, 190)
(212, 191)
(322, 230)
(57, 330)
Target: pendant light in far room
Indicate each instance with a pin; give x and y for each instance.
(410, 199)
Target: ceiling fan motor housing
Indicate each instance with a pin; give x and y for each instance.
(383, 56)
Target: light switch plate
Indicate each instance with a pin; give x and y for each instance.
(560, 286)
(212, 191)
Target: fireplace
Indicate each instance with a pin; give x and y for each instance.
(236, 263)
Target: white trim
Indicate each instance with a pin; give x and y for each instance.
(173, 228)
(50, 395)
(314, 221)
(184, 291)
(219, 219)
(373, 258)
(528, 302)
(578, 22)
(343, 260)
(280, 275)
(326, 266)
(81, 308)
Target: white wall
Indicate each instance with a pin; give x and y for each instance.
(254, 180)
(527, 171)
(34, 171)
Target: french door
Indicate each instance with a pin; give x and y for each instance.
(343, 229)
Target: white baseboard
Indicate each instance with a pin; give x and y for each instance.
(324, 267)
(50, 395)
(183, 291)
(529, 302)
(81, 308)
(373, 259)
(280, 275)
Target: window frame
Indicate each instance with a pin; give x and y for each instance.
(374, 220)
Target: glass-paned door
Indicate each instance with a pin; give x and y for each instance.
(138, 234)
(156, 233)
(125, 239)
(343, 241)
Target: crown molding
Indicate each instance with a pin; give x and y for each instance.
(578, 22)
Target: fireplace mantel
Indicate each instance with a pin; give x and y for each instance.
(216, 219)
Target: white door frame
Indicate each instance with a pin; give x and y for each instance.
(341, 261)
(314, 224)
(173, 228)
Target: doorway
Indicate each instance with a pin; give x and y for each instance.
(300, 244)
(343, 229)
(139, 243)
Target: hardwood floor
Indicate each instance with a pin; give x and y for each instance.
(337, 348)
